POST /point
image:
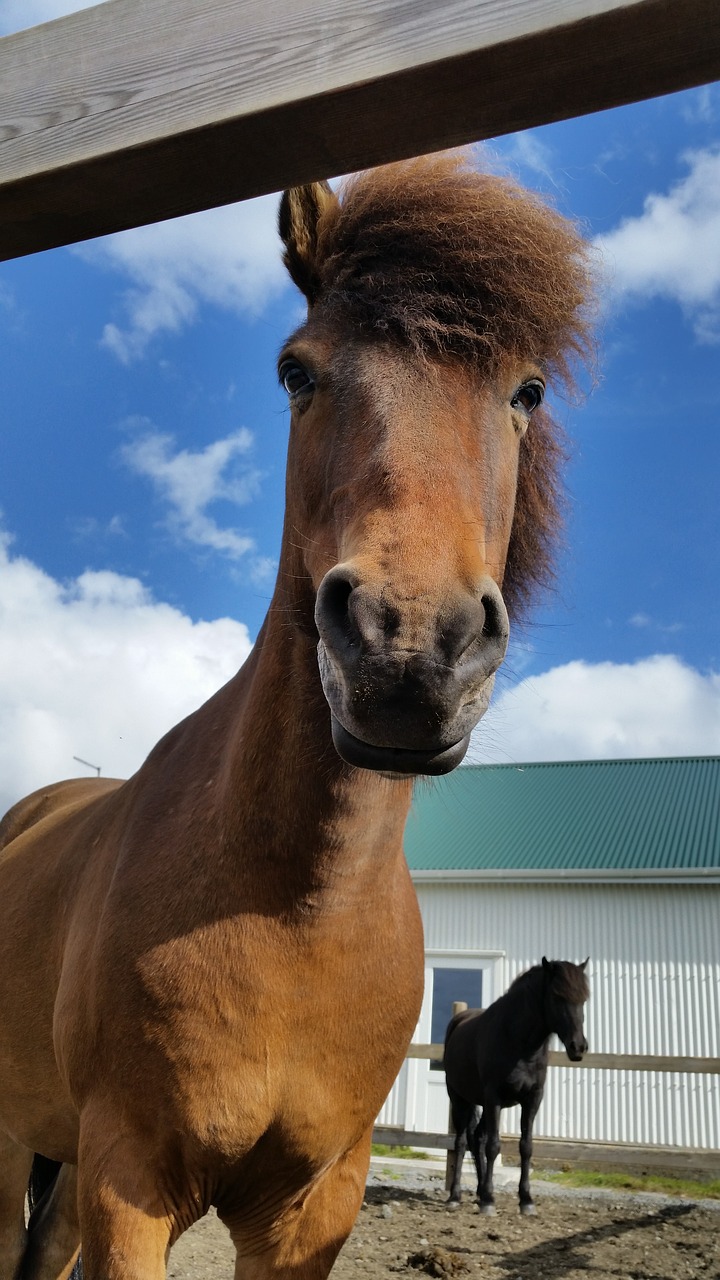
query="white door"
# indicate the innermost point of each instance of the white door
(477, 978)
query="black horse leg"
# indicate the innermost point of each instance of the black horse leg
(491, 1126)
(527, 1117)
(476, 1142)
(462, 1115)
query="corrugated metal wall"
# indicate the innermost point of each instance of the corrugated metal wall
(655, 981)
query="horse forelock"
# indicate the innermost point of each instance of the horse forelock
(571, 983)
(453, 262)
(568, 981)
(457, 265)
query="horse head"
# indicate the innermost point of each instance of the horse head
(418, 508)
(566, 991)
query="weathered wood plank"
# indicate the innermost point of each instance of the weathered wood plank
(617, 1157)
(548, 1152)
(145, 109)
(602, 1061)
(394, 1137)
(638, 1062)
(432, 1051)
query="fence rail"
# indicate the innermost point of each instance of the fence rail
(115, 117)
(559, 1152)
(603, 1061)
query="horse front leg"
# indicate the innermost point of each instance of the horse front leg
(491, 1127)
(124, 1223)
(303, 1242)
(527, 1116)
(123, 1236)
(476, 1142)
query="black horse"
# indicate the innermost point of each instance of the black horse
(497, 1058)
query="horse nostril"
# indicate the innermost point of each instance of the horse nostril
(353, 618)
(475, 630)
(495, 624)
(332, 613)
(358, 619)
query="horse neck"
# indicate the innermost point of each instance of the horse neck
(323, 827)
(526, 1015)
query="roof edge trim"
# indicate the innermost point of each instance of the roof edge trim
(580, 875)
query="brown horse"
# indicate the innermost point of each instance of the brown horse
(209, 974)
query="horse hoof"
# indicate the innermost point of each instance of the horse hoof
(487, 1210)
(527, 1210)
(453, 1204)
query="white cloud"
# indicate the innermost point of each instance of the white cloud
(7, 297)
(189, 482)
(528, 150)
(657, 706)
(89, 529)
(16, 15)
(99, 669)
(699, 106)
(643, 621)
(96, 668)
(229, 257)
(672, 249)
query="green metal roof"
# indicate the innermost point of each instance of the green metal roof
(590, 815)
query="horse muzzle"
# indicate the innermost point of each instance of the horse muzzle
(576, 1049)
(406, 685)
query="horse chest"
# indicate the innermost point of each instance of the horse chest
(287, 1033)
(526, 1077)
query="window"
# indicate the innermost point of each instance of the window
(450, 985)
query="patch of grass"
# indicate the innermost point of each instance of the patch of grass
(399, 1153)
(630, 1182)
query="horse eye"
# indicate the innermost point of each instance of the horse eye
(295, 378)
(529, 396)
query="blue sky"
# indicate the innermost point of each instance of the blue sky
(141, 491)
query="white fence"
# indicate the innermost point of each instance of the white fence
(587, 1153)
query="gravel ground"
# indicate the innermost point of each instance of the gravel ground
(405, 1229)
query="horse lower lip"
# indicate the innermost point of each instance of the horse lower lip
(395, 759)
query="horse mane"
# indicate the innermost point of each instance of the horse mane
(568, 981)
(465, 266)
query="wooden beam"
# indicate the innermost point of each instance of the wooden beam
(393, 1136)
(434, 1052)
(590, 1154)
(602, 1061)
(548, 1153)
(140, 110)
(639, 1062)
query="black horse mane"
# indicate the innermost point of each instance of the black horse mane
(568, 981)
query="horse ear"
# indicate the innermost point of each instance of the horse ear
(301, 209)
(546, 963)
(585, 963)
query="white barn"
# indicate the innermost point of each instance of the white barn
(618, 860)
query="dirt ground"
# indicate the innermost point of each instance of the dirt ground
(405, 1231)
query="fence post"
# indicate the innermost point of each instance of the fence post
(459, 1006)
